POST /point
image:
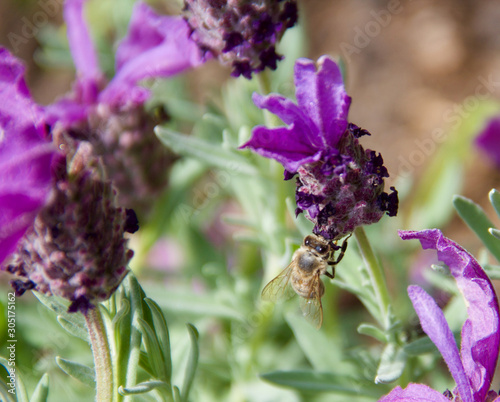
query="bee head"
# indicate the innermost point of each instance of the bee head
(317, 244)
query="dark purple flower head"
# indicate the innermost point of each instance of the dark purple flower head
(58, 210)
(241, 33)
(340, 185)
(489, 140)
(26, 156)
(111, 115)
(473, 367)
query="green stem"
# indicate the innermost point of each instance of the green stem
(102, 358)
(376, 275)
(264, 81)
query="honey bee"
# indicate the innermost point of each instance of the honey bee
(302, 276)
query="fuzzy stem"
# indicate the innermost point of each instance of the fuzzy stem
(102, 358)
(376, 275)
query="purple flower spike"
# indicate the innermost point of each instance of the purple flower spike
(489, 140)
(241, 33)
(340, 185)
(25, 156)
(473, 370)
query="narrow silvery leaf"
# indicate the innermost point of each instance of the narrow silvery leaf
(142, 388)
(81, 372)
(495, 232)
(373, 331)
(192, 364)
(152, 349)
(41, 391)
(495, 200)
(161, 330)
(392, 364)
(313, 381)
(205, 151)
(74, 328)
(477, 220)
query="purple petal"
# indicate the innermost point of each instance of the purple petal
(283, 145)
(84, 55)
(435, 326)
(155, 46)
(414, 393)
(25, 156)
(489, 140)
(322, 96)
(305, 131)
(480, 333)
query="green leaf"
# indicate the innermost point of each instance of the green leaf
(74, 328)
(373, 331)
(22, 395)
(192, 364)
(41, 391)
(177, 394)
(127, 335)
(205, 151)
(493, 271)
(419, 347)
(476, 219)
(161, 331)
(313, 381)
(81, 372)
(142, 388)
(392, 364)
(495, 233)
(494, 196)
(315, 344)
(187, 302)
(152, 349)
(121, 313)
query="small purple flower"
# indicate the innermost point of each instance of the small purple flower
(111, 115)
(26, 156)
(339, 184)
(241, 33)
(472, 368)
(489, 140)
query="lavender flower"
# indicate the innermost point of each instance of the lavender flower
(339, 184)
(489, 140)
(74, 247)
(472, 368)
(26, 156)
(241, 33)
(112, 116)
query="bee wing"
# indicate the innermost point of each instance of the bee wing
(312, 308)
(279, 287)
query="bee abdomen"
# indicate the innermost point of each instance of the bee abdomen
(302, 286)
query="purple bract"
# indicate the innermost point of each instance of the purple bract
(26, 155)
(473, 367)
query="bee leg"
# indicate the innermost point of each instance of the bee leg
(330, 275)
(342, 252)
